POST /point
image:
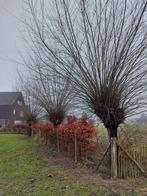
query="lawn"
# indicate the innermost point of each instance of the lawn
(24, 172)
(30, 169)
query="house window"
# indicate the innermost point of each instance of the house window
(17, 122)
(19, 102)
(14, 112)
(4, 122)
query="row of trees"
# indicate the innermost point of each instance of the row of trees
(90, 54)
(91, 51)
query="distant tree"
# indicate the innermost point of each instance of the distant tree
(47, 90)
(101, 46)
(53, 93)
(31, 109)
(31, 112)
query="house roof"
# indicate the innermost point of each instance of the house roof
(8, 98)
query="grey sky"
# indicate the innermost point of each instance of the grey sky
(9, 42)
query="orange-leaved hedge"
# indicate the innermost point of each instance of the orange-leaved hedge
(75, 136)
(20, 128)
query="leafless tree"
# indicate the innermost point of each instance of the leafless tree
(101, 46)
(48, 90)
(31, 108)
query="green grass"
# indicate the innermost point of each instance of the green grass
(131, 127)
(24, 172)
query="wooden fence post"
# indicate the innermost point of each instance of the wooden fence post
(76, 156)
(58, 145)
(45, 137)
(114, 158)
(39, 136)
(32, 133)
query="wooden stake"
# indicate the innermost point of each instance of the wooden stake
(76, 156)
(99, 164)
(58, 146)
(113, 157)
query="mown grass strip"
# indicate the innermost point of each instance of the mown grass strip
(24, 172)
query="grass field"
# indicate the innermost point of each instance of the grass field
(26, 170)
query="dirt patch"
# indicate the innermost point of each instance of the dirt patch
(84, 173)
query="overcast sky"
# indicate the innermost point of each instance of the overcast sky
(10, 42)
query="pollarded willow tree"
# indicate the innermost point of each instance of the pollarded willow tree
(45, 90)
(31, 109)
(49, 91)
(101, 46)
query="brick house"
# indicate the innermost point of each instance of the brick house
(11, 108)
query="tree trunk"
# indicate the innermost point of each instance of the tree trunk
(113, 133)
(29, 131)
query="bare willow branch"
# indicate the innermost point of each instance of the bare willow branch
(100, 46)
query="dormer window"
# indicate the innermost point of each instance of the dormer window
(21, 114)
